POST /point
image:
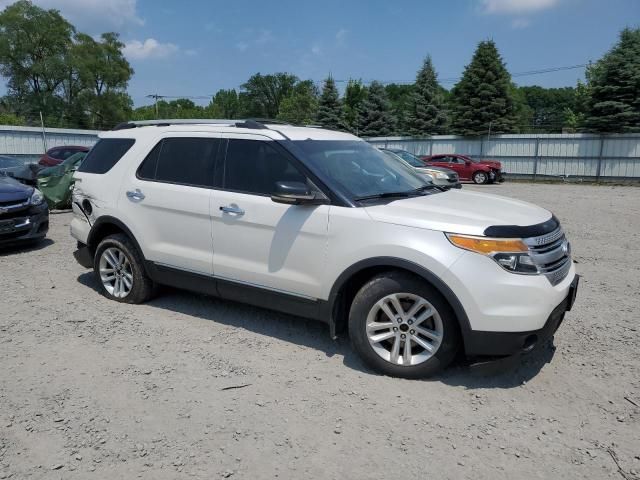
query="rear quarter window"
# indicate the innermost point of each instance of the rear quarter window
(105, 154)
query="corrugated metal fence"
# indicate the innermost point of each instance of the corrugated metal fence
(28, 143)
(577, 155)
(589, 156)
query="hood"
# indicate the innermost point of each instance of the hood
(490, 163)
(12, 190)
(458, 211)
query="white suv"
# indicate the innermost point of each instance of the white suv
(321, 224)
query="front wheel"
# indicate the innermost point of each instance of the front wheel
(480, 178)
(401, 326)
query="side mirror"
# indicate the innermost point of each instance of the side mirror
(296, 193)
(467, 162)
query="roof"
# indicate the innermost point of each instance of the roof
(274, 131)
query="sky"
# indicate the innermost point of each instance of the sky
(195, 47)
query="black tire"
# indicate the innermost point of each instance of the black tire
(143, 288)
(480, 178)
(402, 282)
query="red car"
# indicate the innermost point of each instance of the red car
(479, 171)
(57, 155)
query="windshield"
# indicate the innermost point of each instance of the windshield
(410, 158)
(360, 169)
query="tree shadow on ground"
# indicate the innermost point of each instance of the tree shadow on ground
(504, 373)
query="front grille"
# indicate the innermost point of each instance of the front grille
(13, 203)
(14, 213)
(551, 254)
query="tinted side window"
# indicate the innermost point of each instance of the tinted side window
(105, 154)
(55, 154)
(254, 166)
(147, 171)
(186, 161)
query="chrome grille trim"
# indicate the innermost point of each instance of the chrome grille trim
(550, 253)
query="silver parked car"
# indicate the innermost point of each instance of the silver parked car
(442, 177)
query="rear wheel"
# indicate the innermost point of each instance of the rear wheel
(120, 270)
(401, 326)
(480, 178)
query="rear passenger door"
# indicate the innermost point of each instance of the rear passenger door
(257, 242)
(167, 202)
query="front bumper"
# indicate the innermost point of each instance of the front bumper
(26, 225)
(482, 343)
(83, 256)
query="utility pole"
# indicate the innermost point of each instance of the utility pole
(44, 134)
(155, 96)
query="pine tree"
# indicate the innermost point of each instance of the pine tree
(354, 95)
(427, 114)
(330, 111)
(376, 119)
(483, 96)
(614, 84)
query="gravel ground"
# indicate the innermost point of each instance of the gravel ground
(192, 387)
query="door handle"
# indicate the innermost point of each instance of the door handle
(136, 195)
(232, 209)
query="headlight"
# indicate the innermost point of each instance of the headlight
(438, 174)
(36, 197)
(512, 254)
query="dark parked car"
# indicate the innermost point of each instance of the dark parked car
(24, 215)
(57, 155)
(478, 171)
(9, 162)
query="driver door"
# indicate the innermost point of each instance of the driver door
(257, 242)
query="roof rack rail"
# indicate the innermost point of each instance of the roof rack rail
(257, 123)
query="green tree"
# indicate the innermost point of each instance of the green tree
(263, 94)
(225, 104)
(547, 106)
(427, 115)
(354, 96)
(399, 96)
(376, 118)
(8, 118)
(34, 46)
(330, 111)
(301, 106)
(614, 84)
(482, 99)
(103, 74)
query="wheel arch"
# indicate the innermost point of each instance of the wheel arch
(108, 225)
(351, 280)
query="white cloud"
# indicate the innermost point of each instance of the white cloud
(316, 49)
(150, 48)
(190, 52)
(341, 35)
(516, 7)
(265, 36)
(242, 46)
(94, 16)
(520, 23)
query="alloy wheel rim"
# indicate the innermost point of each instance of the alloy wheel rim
(116, 274)
(404, 329)
(480, 177)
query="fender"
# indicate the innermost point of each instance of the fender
(333, 303)
(106, 220)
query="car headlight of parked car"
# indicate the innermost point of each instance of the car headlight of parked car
(437, 174)
(36, 197)
(512, 254)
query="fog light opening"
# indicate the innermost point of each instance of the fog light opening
(530, 343)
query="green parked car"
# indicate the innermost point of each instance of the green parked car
(56, 182)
